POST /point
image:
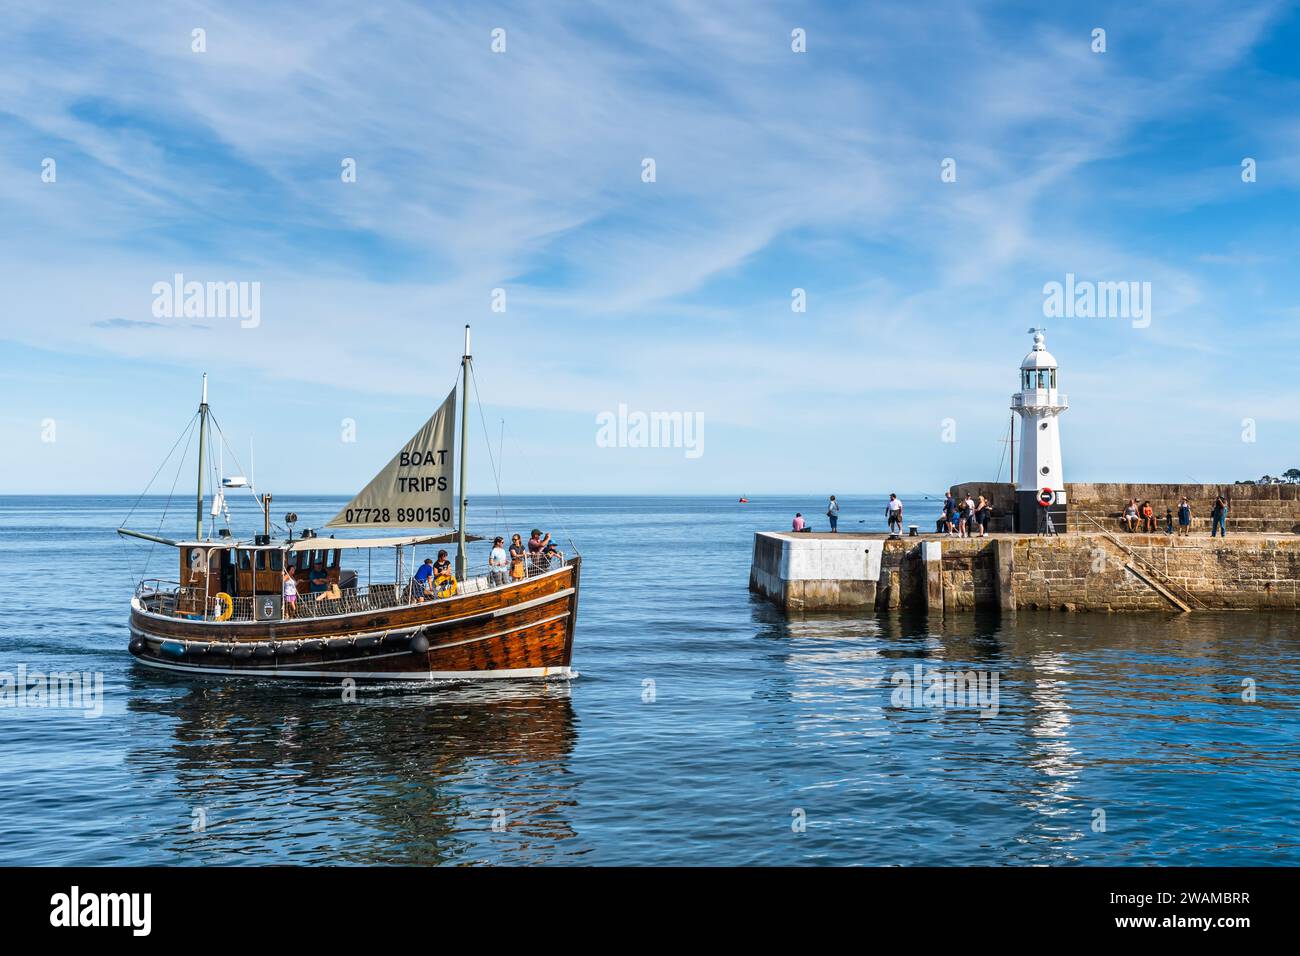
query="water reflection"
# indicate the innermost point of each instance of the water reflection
(410, 775)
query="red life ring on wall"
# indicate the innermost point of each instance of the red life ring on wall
(1046, 497)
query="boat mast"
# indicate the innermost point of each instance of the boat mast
(464, 446)
(203, 430)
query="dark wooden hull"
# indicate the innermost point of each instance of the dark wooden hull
(523, 630)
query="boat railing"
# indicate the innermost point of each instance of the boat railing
(198, 604)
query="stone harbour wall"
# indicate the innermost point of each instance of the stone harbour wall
(1070, 572)
(1256, 509)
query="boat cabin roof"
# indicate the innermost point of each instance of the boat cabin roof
(325, 544)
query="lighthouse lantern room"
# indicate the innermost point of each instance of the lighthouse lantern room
(1040, 485)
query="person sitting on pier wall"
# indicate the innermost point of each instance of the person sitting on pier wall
(1148, 518)
(1130, 518)
(1184, 516)
(798, 524)
(894, 515)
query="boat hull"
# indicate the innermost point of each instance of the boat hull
(523, 630)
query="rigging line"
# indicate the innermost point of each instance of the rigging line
(496, 473)
(554, 511)
(185, 431)
(249, 487)
(170, 494)
(233, 457)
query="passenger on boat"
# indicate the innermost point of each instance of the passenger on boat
(442, 565)
(498, 561)
(517, 554)
(290, 593)
(319, 579)
(420, 583)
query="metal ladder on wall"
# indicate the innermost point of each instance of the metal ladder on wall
(1148, 575)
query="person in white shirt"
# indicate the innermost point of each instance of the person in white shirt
(894, 512)
(498, 561)
(833, 512)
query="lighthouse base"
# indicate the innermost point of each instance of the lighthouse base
(1032, 518)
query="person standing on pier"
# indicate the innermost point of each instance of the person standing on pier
(833, 512)
(1184, 516)
(894, 515)
(1219, 516)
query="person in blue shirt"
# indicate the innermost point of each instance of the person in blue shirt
(1184, 516)
(421, 582)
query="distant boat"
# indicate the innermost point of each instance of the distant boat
(744, 501)
(226, 615)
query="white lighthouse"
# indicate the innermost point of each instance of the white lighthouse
(1039, 477)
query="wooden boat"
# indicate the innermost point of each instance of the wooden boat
(232, 611)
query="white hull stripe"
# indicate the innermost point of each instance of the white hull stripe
(556, 673)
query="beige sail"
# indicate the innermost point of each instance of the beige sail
(415, 489)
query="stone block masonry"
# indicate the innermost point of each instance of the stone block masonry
(1253, 509)
(1070, 572)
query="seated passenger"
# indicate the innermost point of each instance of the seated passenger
(1130, 517)
(420, 583)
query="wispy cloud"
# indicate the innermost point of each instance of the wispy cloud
(522, 171)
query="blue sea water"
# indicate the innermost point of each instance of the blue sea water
(705, 728)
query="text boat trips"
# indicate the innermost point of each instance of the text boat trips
(268, 607)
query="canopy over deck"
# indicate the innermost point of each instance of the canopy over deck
(308, 544)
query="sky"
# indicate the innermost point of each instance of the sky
(920, 172)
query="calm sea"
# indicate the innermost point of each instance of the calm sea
(704, 729)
